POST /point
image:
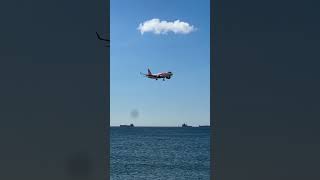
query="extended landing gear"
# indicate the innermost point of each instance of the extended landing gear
(163, 79)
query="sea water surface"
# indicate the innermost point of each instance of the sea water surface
(160, 153)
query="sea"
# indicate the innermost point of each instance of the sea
(152, 153)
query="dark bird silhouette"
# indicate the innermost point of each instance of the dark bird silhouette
(100, 38)
(103, 39)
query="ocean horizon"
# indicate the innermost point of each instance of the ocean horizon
(159, 153)
(114, 126)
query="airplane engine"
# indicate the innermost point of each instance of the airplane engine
(168, 77)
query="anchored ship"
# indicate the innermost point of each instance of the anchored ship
(185, 125)
(131, 125)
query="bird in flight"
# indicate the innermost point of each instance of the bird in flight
(102, 39)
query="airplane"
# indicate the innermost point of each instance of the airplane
(102, 39)
(163, 75)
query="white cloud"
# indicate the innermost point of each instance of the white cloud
(163, 27)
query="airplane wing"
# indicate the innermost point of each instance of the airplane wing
(159, 75)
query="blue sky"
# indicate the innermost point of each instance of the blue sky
(183, 99)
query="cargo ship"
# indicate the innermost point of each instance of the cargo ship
(184, 125)
(131, 125)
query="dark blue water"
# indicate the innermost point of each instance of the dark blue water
(160, 153)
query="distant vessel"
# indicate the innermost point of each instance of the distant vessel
(131, 125)
(205, 126)
(185, 125)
